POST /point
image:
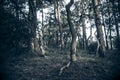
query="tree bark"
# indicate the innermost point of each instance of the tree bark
(84, 34)
(118, 33)
(116, 18)
(33, 22)
(60, 26)
(73, 33)
(106, 36)
(55, 24)
(110, 37)
(17, 9)
(36, 44)
(98, 24)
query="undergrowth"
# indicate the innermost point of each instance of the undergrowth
(87, 67)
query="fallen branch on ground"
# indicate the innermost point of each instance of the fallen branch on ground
(62, 68)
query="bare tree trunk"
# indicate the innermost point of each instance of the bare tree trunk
(84, 34)
(17, 9)
(110, 38)
(60, 26)
(55, 24)
(106, 37)
(100, 38)
(110, 26)
(33, 22)
(90, 36)
(73, 33)
(116, 18)
(35, 44)
(118, 34)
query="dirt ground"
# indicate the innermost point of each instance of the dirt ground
(87, 67)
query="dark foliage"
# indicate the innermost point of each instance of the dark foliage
(92, 48)
(117, 43)
(14, 37)
(14, 33)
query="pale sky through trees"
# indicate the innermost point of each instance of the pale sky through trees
(45, 11)
(67, 1)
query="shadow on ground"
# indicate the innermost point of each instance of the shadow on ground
(87, 67)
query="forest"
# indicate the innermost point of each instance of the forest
(59, 40)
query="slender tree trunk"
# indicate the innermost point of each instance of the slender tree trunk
(116, 18)
(90, 37)
(73, 33)
(60, 26)
(101, 50)
(118, 6)
(33, 16)
(110, 38)
(110, 27)
(41, 38)
(16, 8)
(33, 22)
(17, 17)
(84, 34)
(55, 24)
(48, 41)
(106, 37)
(42, 17)
(118, 34)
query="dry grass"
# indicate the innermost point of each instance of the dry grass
(87, 67)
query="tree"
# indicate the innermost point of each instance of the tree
(103, 11)
(115, 9)
(33, 21)
(84, 32)
(36, 45)
(60, 26)
(73, 33)
(101, 50)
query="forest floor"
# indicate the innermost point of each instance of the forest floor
(87, 67)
